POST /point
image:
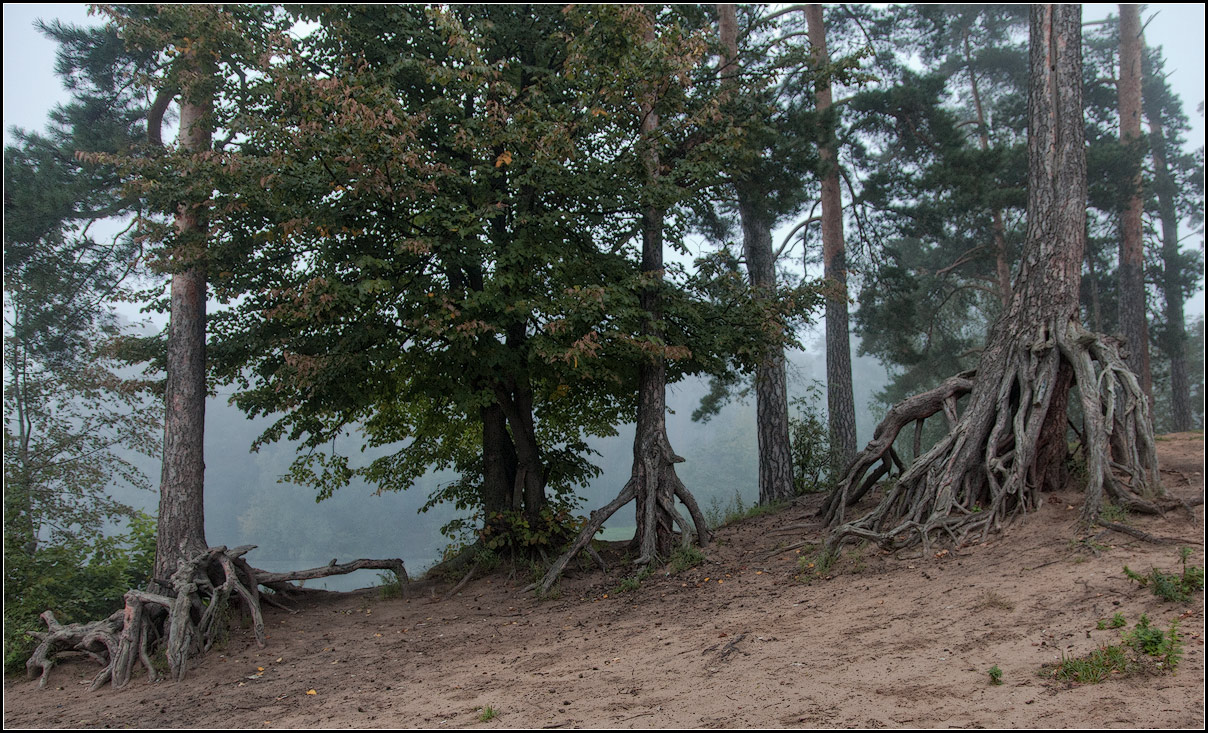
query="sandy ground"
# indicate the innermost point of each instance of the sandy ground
(739, 641)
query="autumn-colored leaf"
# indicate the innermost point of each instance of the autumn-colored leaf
(504, 158)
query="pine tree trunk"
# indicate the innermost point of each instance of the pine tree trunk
(841, 406)
(771, 391)
(1009, 443)
(181, 523)
(1174, 336)
(1133, 323)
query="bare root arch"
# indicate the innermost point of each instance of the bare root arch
(184, 624)
(1000, 452)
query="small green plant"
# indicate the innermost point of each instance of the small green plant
(1115, 622)
(995, 673)
(1114, 513)
(1172, 587)
(390, 585)
(1092, 668)
(817, 565)
(1166, 647)
(1145, 647)
(488, 714)
(810, 443)
(634, 582)
(684, 557)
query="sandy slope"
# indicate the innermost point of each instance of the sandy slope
(739, 641)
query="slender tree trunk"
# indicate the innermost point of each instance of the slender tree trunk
(181, 524)
(653, 476)
(771, 391)
(1002, 259)
(1174, 336)
(1133, 323)
(841, 406)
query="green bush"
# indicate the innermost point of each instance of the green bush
(810, 444)
(81, 579)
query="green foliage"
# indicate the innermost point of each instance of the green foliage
(1166, 647)
(735, 510)
(1113, 513)
(488, 714)
(1093, 668)
(684, 557)
(80, 580)
(810, 436)
(1117, 621)
(390, 585)
(816, 565)
(71, 420)
(1143, 648)
(514, 532)
(1171, 587)
(634, 582)
(995, 675)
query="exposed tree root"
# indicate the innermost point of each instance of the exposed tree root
(181, 625)
(657, 467)
(1000, 452)
(1147, 537)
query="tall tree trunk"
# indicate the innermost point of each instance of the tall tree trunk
(654, 478)
(653, 485)
(1174, 336)
(771, 391)
(1133, 322)
(1009, 443)
(841, 406)
(181, 524)
(1002, 261)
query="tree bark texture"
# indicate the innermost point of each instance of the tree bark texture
(515, 399)
(498, 462)
(771, 391)
(1174, 336)
(181, 523)
(1133, 323)
(841, 406)
(1009, 442)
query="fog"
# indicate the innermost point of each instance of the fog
(247, 504)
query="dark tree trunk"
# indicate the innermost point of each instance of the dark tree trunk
(1174, 335)
(181, 524)
(841, 406)
(1006, 445)
(771, 392)
(529, 482)
(1133, 323)
(498, 463)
